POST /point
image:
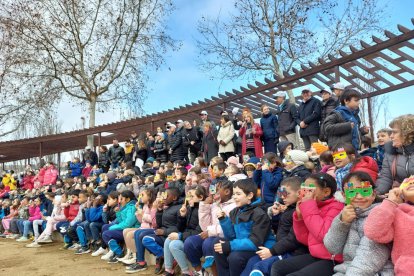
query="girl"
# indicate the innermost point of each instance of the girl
(146, 216)
(326, 162)
(362, 256)
(160, 147)
(188, 225)
(391, 222)
(209, 146)
(7, 219)
(34, 214)
(311, 221)
(16, 224)
(251, 133)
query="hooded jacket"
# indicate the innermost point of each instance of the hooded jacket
(362, 256)
(207, 214)
(269, 124)
(317, 217)
(247, 228)
(391, 222)
(269, 182)
(28, 182)
(76, 169)
(34, 213)
(282, 147)
(368, 165)
(327, 107)
(160, 150)
(125, 218)
(51, 174)
(94, 214)
(189, 224)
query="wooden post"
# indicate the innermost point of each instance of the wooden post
(40, 150)
(337, 74)
(99, 140)
(58, 163)
(370, 120)
(152, 125)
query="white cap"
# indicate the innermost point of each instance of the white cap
(281, 94)
(339, 85)
(306, 88)
(327, 90)
(88, 148)
(179, 121)
(203, 112)
(235, 111)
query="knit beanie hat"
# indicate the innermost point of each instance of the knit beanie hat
(111, 175)
(298, 157)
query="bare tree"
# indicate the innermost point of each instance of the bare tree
(268, 37)
(94, 52)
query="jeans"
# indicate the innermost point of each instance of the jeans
(303, 265)
(256, 264)
(70, 236)
(138, 236)
(27, 226)
(112, 238)
(13, 226)
(20, 227)
(36, 224)
(175, 250)
(81, 232)
(62, 225)
(154, 244)
(94, 232)
(114, 165)
(195, 248)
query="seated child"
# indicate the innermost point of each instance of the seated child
(16, 224)
(286, 244)
(70, 235)
(295, 164)
(362, 256)
(245, 230)
(391, 221)
(197, 246)
(218, 172)
(383, 136)
(179, 183)
(233, 173)
(188, 225)
(34, 214)
(284, 147)
(4, 212)
(311, 221)
(13, 213)
(108, 216)
(326, 162)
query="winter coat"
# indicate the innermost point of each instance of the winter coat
(47, 205)
(41, 175)
(28, 182)
(189, 224)
(91, 157)
(192, 135)
(287, 117)
(86, 172)
(51, 174)
(404, 164)
(23, 212)
(125, 218)
(4, 192)
(269, 182)
(327, 108)
(80, 215)
(110, 215)
(285, 236)
(207, 214)
(226, 134)
(210, 145)
(94, 214)
(317, 217)
(368, 165)
(142, 154)
(310, 113)
(362, 256)
(247, 228)
(71, 211)
(103, 159)
(269, 124)
(329, 169)
(300, 171)
(161, 150)
(256, 139)
(148, 219)
(179, 184)
(175, 143)
(392, 222)
(34, 213)
(9, 181)
(116, 154)
(76, 169)
(167, 218)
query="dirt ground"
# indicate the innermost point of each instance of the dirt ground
(49, 260)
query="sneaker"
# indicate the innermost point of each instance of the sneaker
(168, 274)
(67, 245)
(107, 256)
(82, 250)
(114, 259)
(197, 273)
(33, 245)
(136, 268)
(75, 246)
(159, 265)
(129, 261)
(125, 257)
(22, 239)
(99, 251)
(209, 261)
(15, 236)
(45, 240)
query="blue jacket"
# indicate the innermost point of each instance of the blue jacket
(351, 116)
(94, 214)
(247, 228)
(125, 218)
(269, 182)
(76, 169)
(269, 124)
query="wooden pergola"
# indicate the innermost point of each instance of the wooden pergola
(375, 68)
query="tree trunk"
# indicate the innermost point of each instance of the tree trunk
(91, 110)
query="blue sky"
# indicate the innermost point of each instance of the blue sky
(180, 81)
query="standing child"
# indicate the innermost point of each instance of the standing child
(383, 136)
(311, 221)
(362, 256)
(245, 230)
(392, 221)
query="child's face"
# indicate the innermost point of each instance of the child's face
(224, 194)
(383, 138)
(178, 174)
(75, 198)
(37, 202)
(193, 198)
(145, 197)
(288, 148)
(170, 198)
(112, 201)
(359, 201)
(194, 177)
(155, 164)
(353, 103)
(240, 198)
(341, 159)
(123, 200)
(217, 172)
(188, 180)
(319, 193)
(290, 197)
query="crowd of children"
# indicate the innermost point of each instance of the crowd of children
(286, 213)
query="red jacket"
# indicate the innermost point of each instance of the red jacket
(256, 139)
(28, 182)
(317, 219)
(34, 213)
(5, 191)
(50, 176)
(71, 211)
(86, 171)
(367, 164)
(41, 175)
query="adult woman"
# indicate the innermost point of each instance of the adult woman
(210, 145)
(269, 124)
(142, 154)
(251, 133)
(397, 164)
(160, 147)
(225, 137)
(103, 159)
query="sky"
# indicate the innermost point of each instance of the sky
(181, 82)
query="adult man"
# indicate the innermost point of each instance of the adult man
(204, 118)
(328, 103)
(192, 140)
(309, 116)
(287, 114)
(175, 144)
(338, 88)
(116, 154)
(89, 156)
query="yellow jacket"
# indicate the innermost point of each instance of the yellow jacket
(8, 180)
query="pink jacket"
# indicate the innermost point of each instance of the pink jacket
(391, 222)
(34, 213)
(317, 219)
(147, 218)
(51, 174)
(207, 216)
(41, 176)
(58, 213)
(329, 169)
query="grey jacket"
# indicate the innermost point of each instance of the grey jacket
(362, 256)
(404, 166)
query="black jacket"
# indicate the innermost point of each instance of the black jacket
(142, 154)
(189, 225)
(193, 134)
(167, 218)
(179, 184)
(90, 156)
(103, 159)
(116, 154)
(175, 143)
(288, 115)
(327, 107)
(285, 236)
(310, 114)
(161, 151)
(300, 171)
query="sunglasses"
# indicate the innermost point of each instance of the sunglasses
(365, 190)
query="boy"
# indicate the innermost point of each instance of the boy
(282, 219)
(246, 229)
(70, 234)
(179, 183)
(166, 217)
(343, 124)
(383, 136)
(218, 171)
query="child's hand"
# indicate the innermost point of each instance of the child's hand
(276, 209)
(203, 235)
(221, 214)
(173, 236)
(183, 211)
(218, 247)
(264, 253)
(105, 208)
(309, 195)
(395, 196)
(116, 209)
(208, 200)
(298, 212)
(159, 232)
(348, 214)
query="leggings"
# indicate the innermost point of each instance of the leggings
(303, 265)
